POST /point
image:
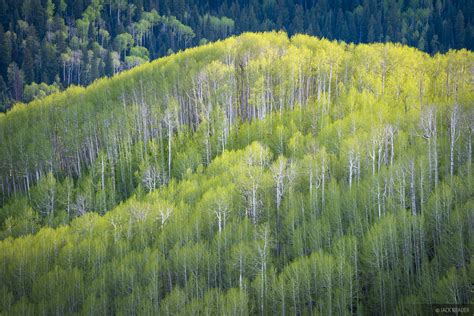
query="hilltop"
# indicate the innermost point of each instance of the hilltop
(49, 45)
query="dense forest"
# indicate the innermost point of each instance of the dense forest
(48, 45)
(261, 174)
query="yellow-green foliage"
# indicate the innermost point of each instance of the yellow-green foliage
(279, 73)
(260, 174)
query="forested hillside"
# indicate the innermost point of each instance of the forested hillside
(48, 45)
(257, 175)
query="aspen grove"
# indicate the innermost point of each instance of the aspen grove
(260, 174)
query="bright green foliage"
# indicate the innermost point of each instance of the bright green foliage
(262, 174)
(37, 91)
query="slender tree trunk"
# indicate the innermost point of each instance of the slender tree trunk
(169, 151)
(412, 187)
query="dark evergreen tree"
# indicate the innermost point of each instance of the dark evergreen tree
(4, 97)
(298, 20)
(460, 32)
(49, 62)
(28, 65)
(15, 81)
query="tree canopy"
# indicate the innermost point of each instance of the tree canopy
(260, 174)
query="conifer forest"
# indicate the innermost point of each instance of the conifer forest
(274, 157)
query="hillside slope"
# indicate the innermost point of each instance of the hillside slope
(260, 174)
(245, 77)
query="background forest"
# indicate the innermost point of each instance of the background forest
(262, 174)
(47, 45)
